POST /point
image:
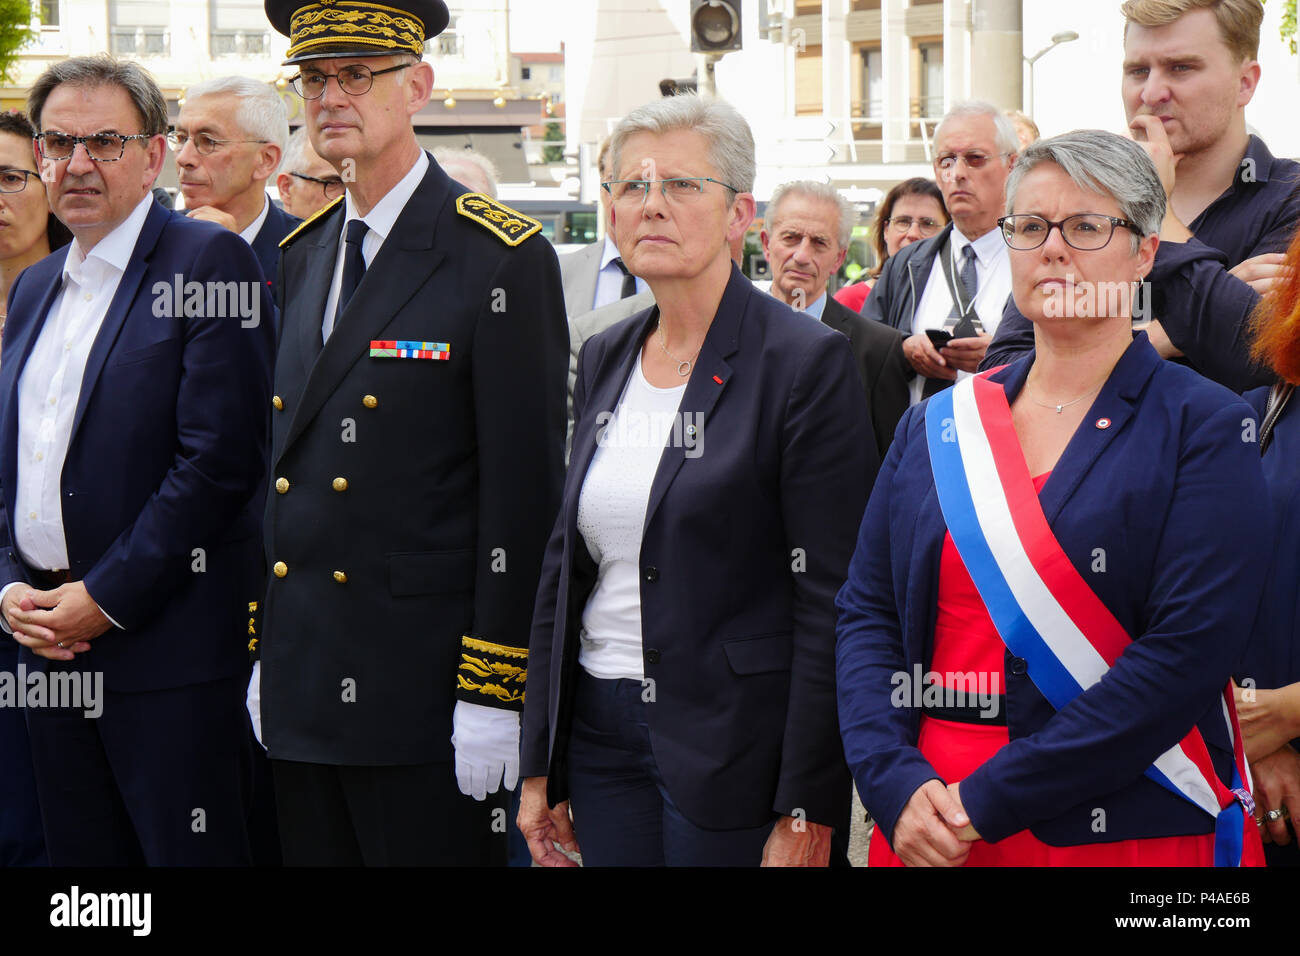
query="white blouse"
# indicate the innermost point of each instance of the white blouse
(611, 519)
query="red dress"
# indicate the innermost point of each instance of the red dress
(965, 640)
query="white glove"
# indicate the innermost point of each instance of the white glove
(487, 748)
(254, 701)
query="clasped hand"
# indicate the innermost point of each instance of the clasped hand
(933, 829)
(42, 620)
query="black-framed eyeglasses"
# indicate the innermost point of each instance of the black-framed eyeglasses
(927, 226)
(353, 80)
(15, 180)
(205, 144)
(329, 187)
(974, 159)
(1086, 231)
(678, 189)
(101, 147)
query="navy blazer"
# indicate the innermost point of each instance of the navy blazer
(266, 244)
(1273, 658)
(164, 481)
(1163, 514)
(744, 546)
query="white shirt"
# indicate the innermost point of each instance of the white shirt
(993, 287)
(609, 280)
(49, 389)
(611, 519)
(380, 221)
(249, 234)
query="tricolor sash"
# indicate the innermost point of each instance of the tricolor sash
(1042, 608)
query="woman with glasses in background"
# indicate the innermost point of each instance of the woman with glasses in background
(912, 210)
(681, 679)
(28, 233)
(1057, 570)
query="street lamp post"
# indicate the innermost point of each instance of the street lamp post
(1065, 36)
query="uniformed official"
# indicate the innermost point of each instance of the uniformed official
(417, 455)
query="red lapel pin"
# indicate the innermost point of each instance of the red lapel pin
(717, 379)
(1103, 423)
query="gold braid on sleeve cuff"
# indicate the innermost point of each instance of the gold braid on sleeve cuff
(491, 674)
(254, 652)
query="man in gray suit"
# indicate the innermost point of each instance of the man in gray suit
(595, 276)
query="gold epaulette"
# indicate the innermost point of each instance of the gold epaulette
(309, 220)
(506, 224)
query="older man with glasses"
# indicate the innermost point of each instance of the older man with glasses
(228, 140)
(947, 293)
(306, 182)
(418, 448)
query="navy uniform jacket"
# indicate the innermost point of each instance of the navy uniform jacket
(1204, 311)
(1173, 494)
(737, 624)
(168, 455)
(411, 497)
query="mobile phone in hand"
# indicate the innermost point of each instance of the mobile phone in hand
(938, 337)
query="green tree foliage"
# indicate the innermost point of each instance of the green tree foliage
(1287, 29)
(15, 33)
(553, 154)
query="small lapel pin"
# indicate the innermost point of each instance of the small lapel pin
(718, 379)
(1103, 423)
(690, 430)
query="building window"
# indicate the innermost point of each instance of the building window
(873, 86)
(447, 43)
(525, 73)
(238, 28)
(49, 12)
(931, 79)
(139, 28)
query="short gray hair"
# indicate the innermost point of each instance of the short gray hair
(261, 113)
(448, 154)
(1105, 163)
(731, 143)
(294, 156)
(103, 70)
(1004, 136)
(847, 213)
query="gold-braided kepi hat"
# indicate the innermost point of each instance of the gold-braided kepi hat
(332, 28)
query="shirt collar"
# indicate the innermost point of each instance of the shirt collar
(254, 227)
(987, 247)
(114, 250)
(609, 253)
(817, 306)
(383, 216)
(1256, 162)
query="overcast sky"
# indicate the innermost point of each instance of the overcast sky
(535, 27)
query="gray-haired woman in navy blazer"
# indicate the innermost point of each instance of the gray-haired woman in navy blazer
(1097, 585)
(681, 681)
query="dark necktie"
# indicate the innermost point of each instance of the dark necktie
(354, 266)
(629, 280)
(970, 285)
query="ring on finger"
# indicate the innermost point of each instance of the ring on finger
(1272, 815)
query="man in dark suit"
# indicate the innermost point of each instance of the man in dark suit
(808, 228)
(417, 457)
(133, 455)
(228, 140)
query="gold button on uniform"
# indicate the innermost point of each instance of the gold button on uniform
(278, 402)
(282, 485)
(340, 577)
(370, 401)
(280, 569)
(340, 484)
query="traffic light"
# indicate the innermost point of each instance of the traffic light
(715, 26)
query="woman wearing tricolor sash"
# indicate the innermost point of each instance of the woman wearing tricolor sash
(1058, 569)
